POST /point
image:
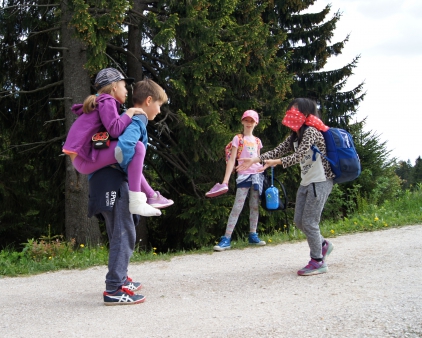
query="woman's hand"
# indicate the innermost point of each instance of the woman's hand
(269, 163)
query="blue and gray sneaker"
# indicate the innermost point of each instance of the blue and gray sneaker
(254, 239)
(223, 245)
(122, 296)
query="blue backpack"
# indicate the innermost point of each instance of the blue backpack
(341, 153)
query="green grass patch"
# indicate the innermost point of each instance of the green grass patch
(52, 253)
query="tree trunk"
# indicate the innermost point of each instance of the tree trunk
(76, 89)
(134, 69)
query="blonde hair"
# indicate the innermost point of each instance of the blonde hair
(147, 87)
(90, 102)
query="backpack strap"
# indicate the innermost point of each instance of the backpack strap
(240, 148)
(315, 149)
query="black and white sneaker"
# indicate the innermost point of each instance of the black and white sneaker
(122, 296)
(131, 285)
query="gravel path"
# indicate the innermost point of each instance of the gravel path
(373, 289)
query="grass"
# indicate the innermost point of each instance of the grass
(52, 253)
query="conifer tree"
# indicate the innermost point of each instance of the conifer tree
(309, 47)
(417, 173)
(309, 44)
(31, 170)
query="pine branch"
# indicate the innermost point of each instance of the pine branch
(46, 122)
(29, 6)
(35, 144)
(123, 51)
(32, 34)
(35, 90)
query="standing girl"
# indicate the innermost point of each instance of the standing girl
(101, 113)
(248, 180)
(302, 118)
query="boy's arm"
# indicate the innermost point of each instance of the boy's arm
(125, 149)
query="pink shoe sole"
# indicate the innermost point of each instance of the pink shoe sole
(216, 193)
(161, 206)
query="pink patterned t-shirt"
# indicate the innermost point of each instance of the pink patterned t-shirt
(250, 150)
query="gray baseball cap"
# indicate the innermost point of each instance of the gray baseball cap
(107, 76)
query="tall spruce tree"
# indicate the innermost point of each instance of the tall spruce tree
(309, 47)
(31, 170)
(309, 44)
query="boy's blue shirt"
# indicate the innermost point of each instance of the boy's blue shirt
(136, 131)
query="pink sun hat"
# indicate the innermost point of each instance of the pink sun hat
(251, 113)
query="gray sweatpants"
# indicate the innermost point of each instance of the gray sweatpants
(122, 236)
(310, 201)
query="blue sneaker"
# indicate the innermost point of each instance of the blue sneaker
(254, 239)
(122, 296)
(223, 245)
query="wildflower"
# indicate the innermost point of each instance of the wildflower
(154, 253)
(154, 249)
(49, 257)
(385, 224)
(82, 246)
(376, 219)
(370, 224)
(285, 225)
(270, 240)
(332, 231)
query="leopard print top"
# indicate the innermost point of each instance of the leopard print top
(310, 136)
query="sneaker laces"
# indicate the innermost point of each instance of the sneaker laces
(126, 290)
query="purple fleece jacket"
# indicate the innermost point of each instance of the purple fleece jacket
(104, 118)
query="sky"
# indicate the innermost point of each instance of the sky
(387, 34)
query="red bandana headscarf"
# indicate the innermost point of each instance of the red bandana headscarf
(294, 120)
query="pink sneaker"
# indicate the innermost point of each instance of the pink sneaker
(159, 201)
(217, 190)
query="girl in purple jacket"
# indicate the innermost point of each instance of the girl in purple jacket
(100, 112)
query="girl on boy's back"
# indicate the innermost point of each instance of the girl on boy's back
(101, 113)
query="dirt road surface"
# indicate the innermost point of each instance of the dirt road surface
(373, 289)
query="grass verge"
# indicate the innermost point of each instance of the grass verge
(52, 254)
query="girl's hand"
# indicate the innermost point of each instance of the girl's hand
(246, 163)
(269, 163)
(135, 111)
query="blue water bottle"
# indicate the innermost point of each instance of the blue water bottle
(271, 194)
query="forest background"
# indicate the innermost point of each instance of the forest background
(215, 59)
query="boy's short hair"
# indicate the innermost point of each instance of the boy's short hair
(147, 87)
